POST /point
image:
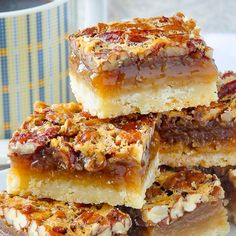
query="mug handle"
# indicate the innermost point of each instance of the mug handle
(95, 11)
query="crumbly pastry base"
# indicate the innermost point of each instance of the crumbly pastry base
(70, 190)
(191, 158)
(204, 160)
(207, 220)
(146, 101)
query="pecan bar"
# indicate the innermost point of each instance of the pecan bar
(183, 202)
(201, 136)
(143, 65)
(45, 217)
(64, 153)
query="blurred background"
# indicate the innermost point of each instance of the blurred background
(211, 15)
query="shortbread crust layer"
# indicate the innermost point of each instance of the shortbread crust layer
(142, 99)
(178, 155)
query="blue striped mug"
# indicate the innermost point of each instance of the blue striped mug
(33, 57)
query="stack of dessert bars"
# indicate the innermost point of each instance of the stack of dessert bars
(148, 149)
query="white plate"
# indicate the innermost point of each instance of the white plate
(3, 151)
(3, 178)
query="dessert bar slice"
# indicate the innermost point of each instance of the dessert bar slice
(45, 217)
(180, 203)
(143, 65)
(201, 136)
(64, 153)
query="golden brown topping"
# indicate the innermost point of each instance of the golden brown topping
(153, 192)
(86, 136)
(131, 137)
(74, 140)
(227, 74)
(141, 27)
(217, 190)
(85, 114)
(95, 163)
(90, 217)
(29, 141)
(60, 214)
(109, 46)
(28, 209)
(184, 179)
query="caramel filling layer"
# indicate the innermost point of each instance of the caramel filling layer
(172, 71)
